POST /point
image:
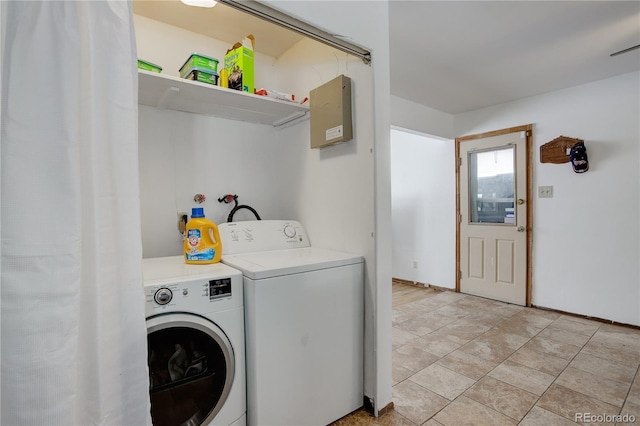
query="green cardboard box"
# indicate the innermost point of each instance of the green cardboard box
(148, 66)
(238, 66)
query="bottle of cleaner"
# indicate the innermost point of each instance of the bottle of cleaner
(202, 240)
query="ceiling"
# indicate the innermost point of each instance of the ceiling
(458, 56)
(220, 22)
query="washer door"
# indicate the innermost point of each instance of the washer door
(191, 369)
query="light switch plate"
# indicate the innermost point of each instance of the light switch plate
(545, 192)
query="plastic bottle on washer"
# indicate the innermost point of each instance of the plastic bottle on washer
(202, 240)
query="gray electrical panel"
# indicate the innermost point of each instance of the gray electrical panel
(330, 106)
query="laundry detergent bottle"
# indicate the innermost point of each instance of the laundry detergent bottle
(202, 240)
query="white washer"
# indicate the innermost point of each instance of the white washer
(304, 318)
(195, 336)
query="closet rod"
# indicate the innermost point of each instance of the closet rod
(274, 16)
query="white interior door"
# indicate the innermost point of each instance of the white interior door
(493, 217)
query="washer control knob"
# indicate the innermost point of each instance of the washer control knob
(163, 296)
(289, 231)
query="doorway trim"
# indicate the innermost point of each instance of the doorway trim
(528, 128)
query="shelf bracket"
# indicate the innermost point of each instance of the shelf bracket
(167, 97)
(290, 118)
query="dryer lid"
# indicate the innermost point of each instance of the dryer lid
(268, 264)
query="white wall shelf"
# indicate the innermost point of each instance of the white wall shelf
(178, 94)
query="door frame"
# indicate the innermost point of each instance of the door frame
(528, 128)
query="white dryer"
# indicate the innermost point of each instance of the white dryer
(195, 335)
(304, 318)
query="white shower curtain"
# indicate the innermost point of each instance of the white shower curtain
(73, 340)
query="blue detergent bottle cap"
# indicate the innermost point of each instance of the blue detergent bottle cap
(197, 212)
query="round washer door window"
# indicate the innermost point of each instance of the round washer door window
(191, 369)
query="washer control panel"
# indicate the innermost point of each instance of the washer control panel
(199, 295)
(262, 235)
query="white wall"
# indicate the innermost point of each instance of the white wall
(367, 23)
(185, 154)
(410, 115)
(423, 202)
(586, 239)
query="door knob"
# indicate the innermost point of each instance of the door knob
(520, 229)
(520, 201)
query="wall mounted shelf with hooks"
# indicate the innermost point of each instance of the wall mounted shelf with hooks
(557, 150)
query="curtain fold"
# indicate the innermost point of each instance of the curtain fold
(72, 305)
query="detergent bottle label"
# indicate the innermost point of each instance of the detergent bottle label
(197, 248)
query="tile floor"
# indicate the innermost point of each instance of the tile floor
(465, 360)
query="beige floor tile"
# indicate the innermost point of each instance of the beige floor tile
(506, 310)
(453, 311)
(616, 353)
(438, 320)
(523, 377)
(412, 357)
(539, 361)
(551, 347)
(520, 327)
(502, 397)
(435, 345)
(429, 305)
(576, 325)
(475, 304)
(398, 316)
(604, 368)
(432, 422)
(552, 315)
(450, 297)
(499, 336)
(468, 365)
(630, 331)
(442, 381)
(609, 391)
(415, 402)
(418, 325)
(634, 392)
(629, 409)
(400, 337)
(488, 350)
(533, 318)
(467, 412)
(488, 318)
(569, 403)
(619, 337)
(541, 417)
(563, 336)
(398, 374)
(420, 307)
(461, 331)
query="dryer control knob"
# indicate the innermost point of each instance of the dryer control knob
(163, 296)
(289, 231)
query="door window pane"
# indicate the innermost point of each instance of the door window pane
(492, 186)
